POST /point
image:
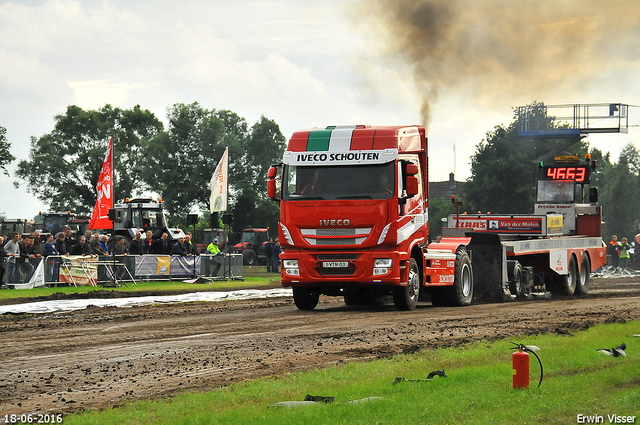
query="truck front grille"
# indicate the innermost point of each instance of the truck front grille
(336, 272)
(337, 257)
(346, 236)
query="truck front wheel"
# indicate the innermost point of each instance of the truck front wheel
(305, 298)
(406, 297)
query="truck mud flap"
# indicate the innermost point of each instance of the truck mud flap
(489, 260)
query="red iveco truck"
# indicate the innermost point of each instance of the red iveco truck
(354, 223)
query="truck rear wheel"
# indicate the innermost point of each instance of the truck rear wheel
(516, 286)
(462, 290)
(305, 298)
(582, 286)
(566, 285)
(406, 297)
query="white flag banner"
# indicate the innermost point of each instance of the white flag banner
(218, 198)
(36, 280)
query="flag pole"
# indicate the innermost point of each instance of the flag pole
(113, 188)
(113, 206)
(113, 175)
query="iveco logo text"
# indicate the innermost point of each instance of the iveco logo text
(344, 222)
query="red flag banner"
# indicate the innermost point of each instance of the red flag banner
(100, 217)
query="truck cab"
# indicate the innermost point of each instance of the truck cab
(562, 189)
(353, 213)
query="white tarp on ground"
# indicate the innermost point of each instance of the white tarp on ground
(70, 305)
(609, 272)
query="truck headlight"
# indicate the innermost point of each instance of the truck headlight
(382, 266)
(290, 267)
(290, 264)
(382, 262)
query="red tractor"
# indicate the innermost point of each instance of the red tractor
(252, 246)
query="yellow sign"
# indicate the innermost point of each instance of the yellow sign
(567, 158)
(164, 264)
(554, 224)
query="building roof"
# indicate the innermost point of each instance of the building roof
(446, 189)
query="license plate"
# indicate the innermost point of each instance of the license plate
(335, 264)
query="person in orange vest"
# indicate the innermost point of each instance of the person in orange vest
(613, 251)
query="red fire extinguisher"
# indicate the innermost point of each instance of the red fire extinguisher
(521, 365)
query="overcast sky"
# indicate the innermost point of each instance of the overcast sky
(307, 64)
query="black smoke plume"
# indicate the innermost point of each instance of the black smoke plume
(506, 49)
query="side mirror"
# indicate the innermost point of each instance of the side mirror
(412, 169)
(271, 182)
(593, 195)
(271, 189)
(411, 186)
(411, 180)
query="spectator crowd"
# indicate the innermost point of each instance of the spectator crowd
(17, 250)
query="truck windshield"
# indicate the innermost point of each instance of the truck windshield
(249, 237)
(54, 224)
(558, 191)
(254, 237)
(148, 217)
(339, 182)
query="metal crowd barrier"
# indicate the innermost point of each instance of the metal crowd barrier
(104, 270)
(19, 270)
(159, 267)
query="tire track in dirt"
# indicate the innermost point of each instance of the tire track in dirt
(101, 357)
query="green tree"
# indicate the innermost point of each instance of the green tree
(603, 162)
(503, 168)
(64, 166)
(186, 154)
(183, 157)
(5, 156)
(620, 193)
(502, 174)
(264, 147)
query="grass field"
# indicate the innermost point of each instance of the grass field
(578, 380)
(255, 277)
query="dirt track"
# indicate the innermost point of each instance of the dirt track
(100, 357)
